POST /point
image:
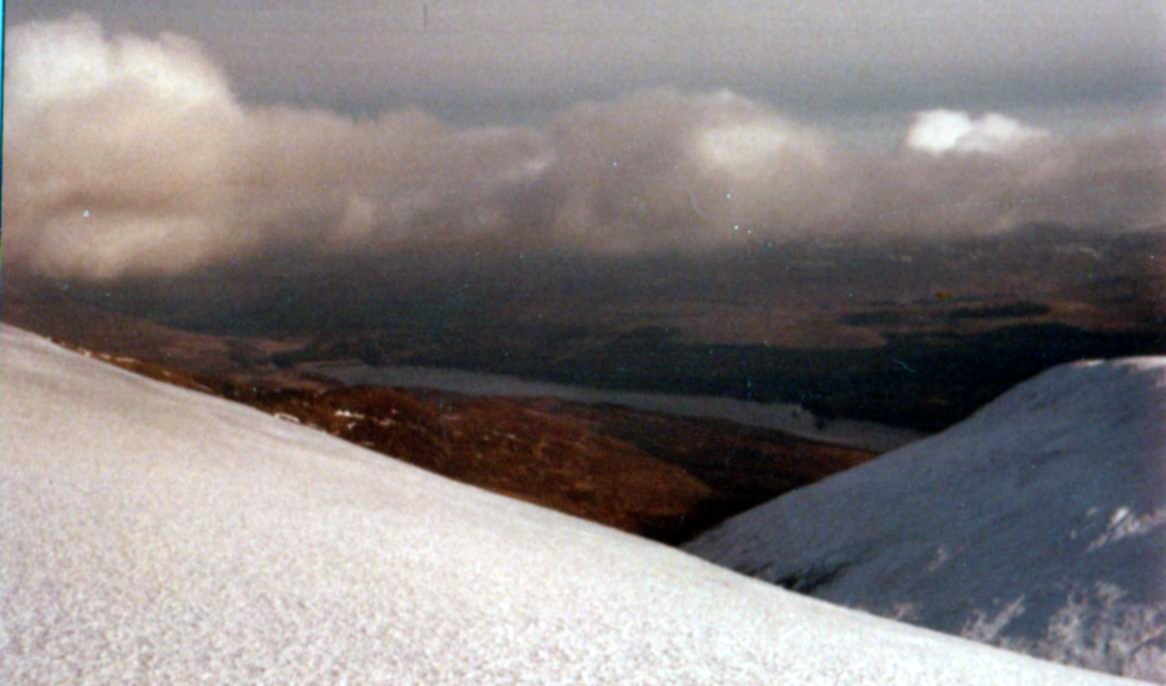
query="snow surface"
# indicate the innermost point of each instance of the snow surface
(1038, 524)
(155, 535)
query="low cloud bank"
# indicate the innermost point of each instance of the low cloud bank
(127, 156)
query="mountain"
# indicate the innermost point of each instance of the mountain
(153, 534)
(1038, 524)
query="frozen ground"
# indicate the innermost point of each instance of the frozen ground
(154, 535)
(1038, 524)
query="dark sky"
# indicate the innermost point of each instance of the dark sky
(861, 66)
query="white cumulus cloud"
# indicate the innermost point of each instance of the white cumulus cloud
(940, 131)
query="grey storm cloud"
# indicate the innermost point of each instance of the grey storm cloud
(133, 156)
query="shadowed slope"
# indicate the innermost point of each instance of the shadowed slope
(1038, 524)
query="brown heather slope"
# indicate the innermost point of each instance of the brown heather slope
(57, 316)
(663, 477)
(660, 476)
(745, 465)
(666, 478)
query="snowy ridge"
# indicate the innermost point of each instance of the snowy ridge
(155, 535)
(1038, 524)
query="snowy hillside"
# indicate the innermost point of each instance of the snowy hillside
(155, 535)
(1038, 524)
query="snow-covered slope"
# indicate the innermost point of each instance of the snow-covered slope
(155, 535)
(1038, 524)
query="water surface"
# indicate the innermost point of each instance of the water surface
(782, 416)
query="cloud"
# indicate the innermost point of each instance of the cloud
(669, 170)
(120, 154)
(941, 131)
(132, 157)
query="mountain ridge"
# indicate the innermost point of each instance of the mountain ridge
(1038, 524)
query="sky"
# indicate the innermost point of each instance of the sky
(156, 138)
(855, 67)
